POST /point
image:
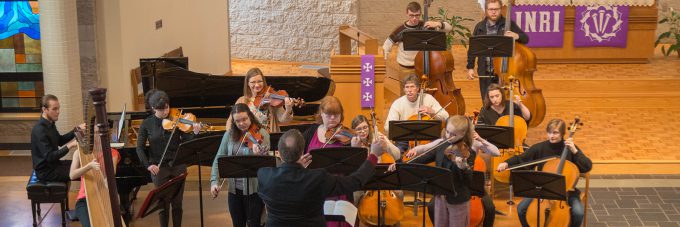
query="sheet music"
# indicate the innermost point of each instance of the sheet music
(341, 207)
(121, 121)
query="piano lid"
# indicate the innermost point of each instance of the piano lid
(189, 89)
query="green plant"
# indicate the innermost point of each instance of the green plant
(673, 19)
(459, 32)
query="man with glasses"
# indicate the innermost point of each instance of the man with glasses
(493, 24)
(414, 22)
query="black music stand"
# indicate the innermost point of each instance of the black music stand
(502, 137)
(338, 160)
(382, 180)
(539, 185)
(491, 46)
(425, 179)
(161, 196)
(415, 130)
(199, 152)
(410, 130)
(477, 184)
(424, 40)
(274, 138)
(243, 166)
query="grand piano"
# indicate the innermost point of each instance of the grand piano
(205, 95)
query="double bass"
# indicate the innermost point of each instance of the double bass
(558, 213)
(438, 67)
(521, 66)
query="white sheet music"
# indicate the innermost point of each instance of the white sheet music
(341, 207)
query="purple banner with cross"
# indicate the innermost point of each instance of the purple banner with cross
(601, 26)
(543, 24)
(367, 81)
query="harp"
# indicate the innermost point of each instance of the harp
(93, 143)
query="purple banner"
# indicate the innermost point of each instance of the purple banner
(597, 26)
(367, 81)
(543, 24)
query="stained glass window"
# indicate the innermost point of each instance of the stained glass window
(21, 83)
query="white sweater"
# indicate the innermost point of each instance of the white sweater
(402, 109)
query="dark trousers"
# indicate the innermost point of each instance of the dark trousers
(164, 175)
(58, 173)
(81, 212)
(574, 201)
(489, 210)
(245, 209)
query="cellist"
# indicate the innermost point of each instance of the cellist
(493, 24)
(407, 105)
(496, 106)
(556, 130)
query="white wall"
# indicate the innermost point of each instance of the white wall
(126, 32)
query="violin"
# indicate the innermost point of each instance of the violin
(252, 136)
(271, 97)
(341, 133)
(184, 122)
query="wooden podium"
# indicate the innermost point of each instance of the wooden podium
(345, 71)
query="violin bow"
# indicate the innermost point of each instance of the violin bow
(174, 128)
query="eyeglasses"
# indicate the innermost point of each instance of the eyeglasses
(493, 9)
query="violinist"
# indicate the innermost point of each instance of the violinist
(407, 105)
(254, 88)
(245, 137)
(329, 132)
(496, 106)
(555, 144)
(484, 148)
(454, 153)
(493, 24)
(406, 58)
(163, 146)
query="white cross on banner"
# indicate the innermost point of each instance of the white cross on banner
(367, 81)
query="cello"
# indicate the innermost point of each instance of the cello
(390, 207)
(438, 67)
(558, 213)
(522, 66)
(520, 131)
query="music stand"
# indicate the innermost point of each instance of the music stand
(199, 152)
(502, 137)
(415, 130)
(410, 130)
(338, 160)
(159, 197)
(477, 184)
(382, 180)
(425, 179)
(491, 46)
(243, 166)
(424, 40)
(539, 185)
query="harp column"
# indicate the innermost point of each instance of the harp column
(61, 59)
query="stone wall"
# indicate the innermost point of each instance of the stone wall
(288, 30)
